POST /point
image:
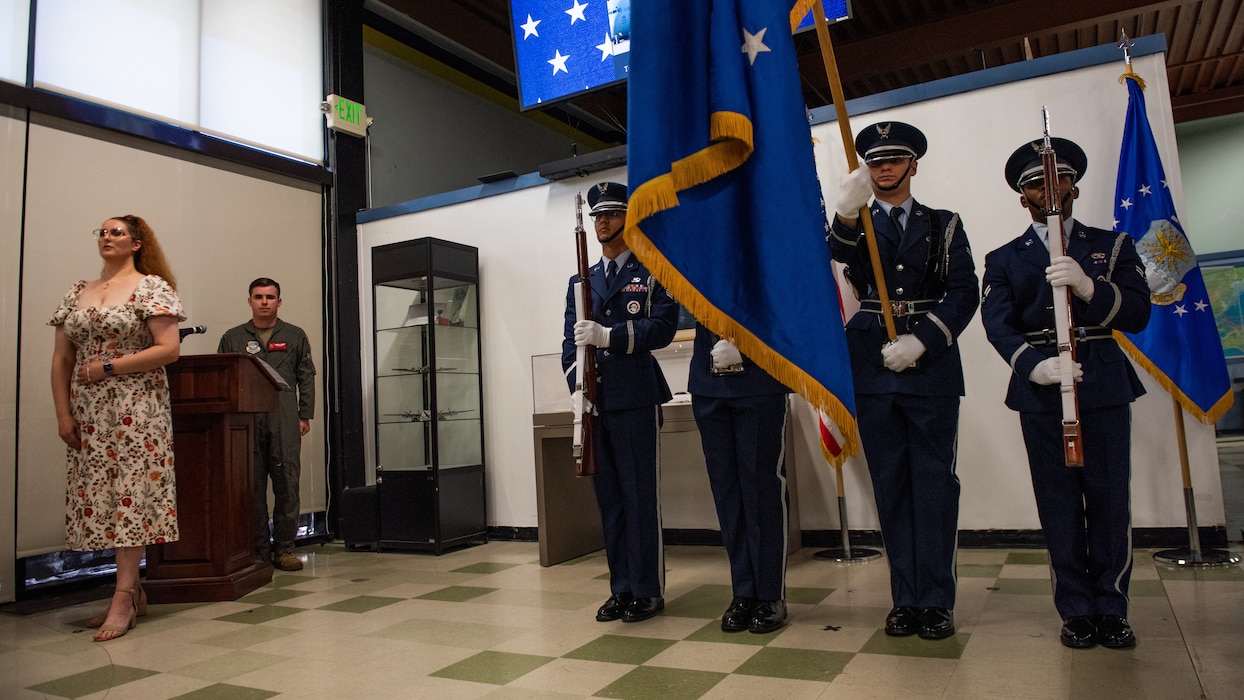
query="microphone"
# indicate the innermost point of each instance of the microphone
(183, 332)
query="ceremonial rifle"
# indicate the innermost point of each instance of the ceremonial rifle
(1073, 442)
(585, 357)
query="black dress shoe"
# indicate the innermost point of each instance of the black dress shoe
(643, 608)
(936, 623)
(739, 615)
(767, 616)
(614, 607)
(902, 621)
(1079, 632)
(1114, 632)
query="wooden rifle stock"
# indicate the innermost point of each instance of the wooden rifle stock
(1073, 442)
(585, 358)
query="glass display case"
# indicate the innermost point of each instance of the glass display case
(429, 426)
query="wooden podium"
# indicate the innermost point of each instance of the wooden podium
(213, 397)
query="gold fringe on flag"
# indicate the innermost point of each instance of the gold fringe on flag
(1211, 416)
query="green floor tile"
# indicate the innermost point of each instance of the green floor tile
(283, 580)
(360, 604)
(484, 567)
(493, 667)
(1036, 556)
(796, 664)
(1023, 586)
(620, 650)
(882, 643)
(269, 596)
(706, 602)
(224, 691)
(648, 682)
(712, 633)
(456, 594)
(1147, 588)
(93, 681)
(979, 570)
(807, 596)
(261, 614)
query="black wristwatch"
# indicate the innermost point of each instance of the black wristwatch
(108, 368)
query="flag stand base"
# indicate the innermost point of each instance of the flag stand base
(846, 553)
(1204, 558)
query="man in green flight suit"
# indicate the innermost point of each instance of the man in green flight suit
(278, 436)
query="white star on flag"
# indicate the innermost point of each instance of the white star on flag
(529, 29)
(753, 44)
(606, 49)
(576, 12)
(558, 62)
(1126, 204)
(1145, 190)
(1181, 310)
(1201, 306)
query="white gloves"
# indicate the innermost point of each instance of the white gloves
(854, 192)
(1050, 371)
(1065, 272)
(579, 403)
(726, 355)
(588, 332)
(902, 352)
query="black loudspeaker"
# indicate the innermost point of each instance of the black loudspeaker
(360, 524)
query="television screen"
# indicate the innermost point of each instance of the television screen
(566, 47)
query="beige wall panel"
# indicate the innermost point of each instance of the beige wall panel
(12, 150)
(220, 229)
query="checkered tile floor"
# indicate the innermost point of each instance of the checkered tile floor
(489, 622)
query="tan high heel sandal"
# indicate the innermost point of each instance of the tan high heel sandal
(138, 600)
(140, 607)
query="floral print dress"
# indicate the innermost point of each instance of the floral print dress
(121, 490)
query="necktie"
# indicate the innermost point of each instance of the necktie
(610, 272)
(896, 214)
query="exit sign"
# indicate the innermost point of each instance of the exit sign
(345, 115)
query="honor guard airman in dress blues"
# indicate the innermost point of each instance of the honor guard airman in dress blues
(1085, 511)
(741, 412)
(632, 315)
(907, 391)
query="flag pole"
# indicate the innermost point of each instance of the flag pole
(845, 552)
(1192, 555)
(848, 144)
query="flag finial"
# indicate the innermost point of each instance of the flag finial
(1126, 43)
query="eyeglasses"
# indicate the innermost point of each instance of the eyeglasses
(110, 232)
(612, 214)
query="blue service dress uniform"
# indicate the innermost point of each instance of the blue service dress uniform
(742, 421)
(909, 420)
(642, 317)
(1085, 512)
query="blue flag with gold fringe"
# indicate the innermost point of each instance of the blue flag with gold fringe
(1180, 347)
(725, 206)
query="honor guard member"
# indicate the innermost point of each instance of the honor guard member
(1085, 512)
(278, 436)
(907, 391)
(741, 412)
(632, 315)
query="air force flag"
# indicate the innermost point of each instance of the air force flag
(725, 207)
(1180, 347)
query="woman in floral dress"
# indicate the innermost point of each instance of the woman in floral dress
(114, 335)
